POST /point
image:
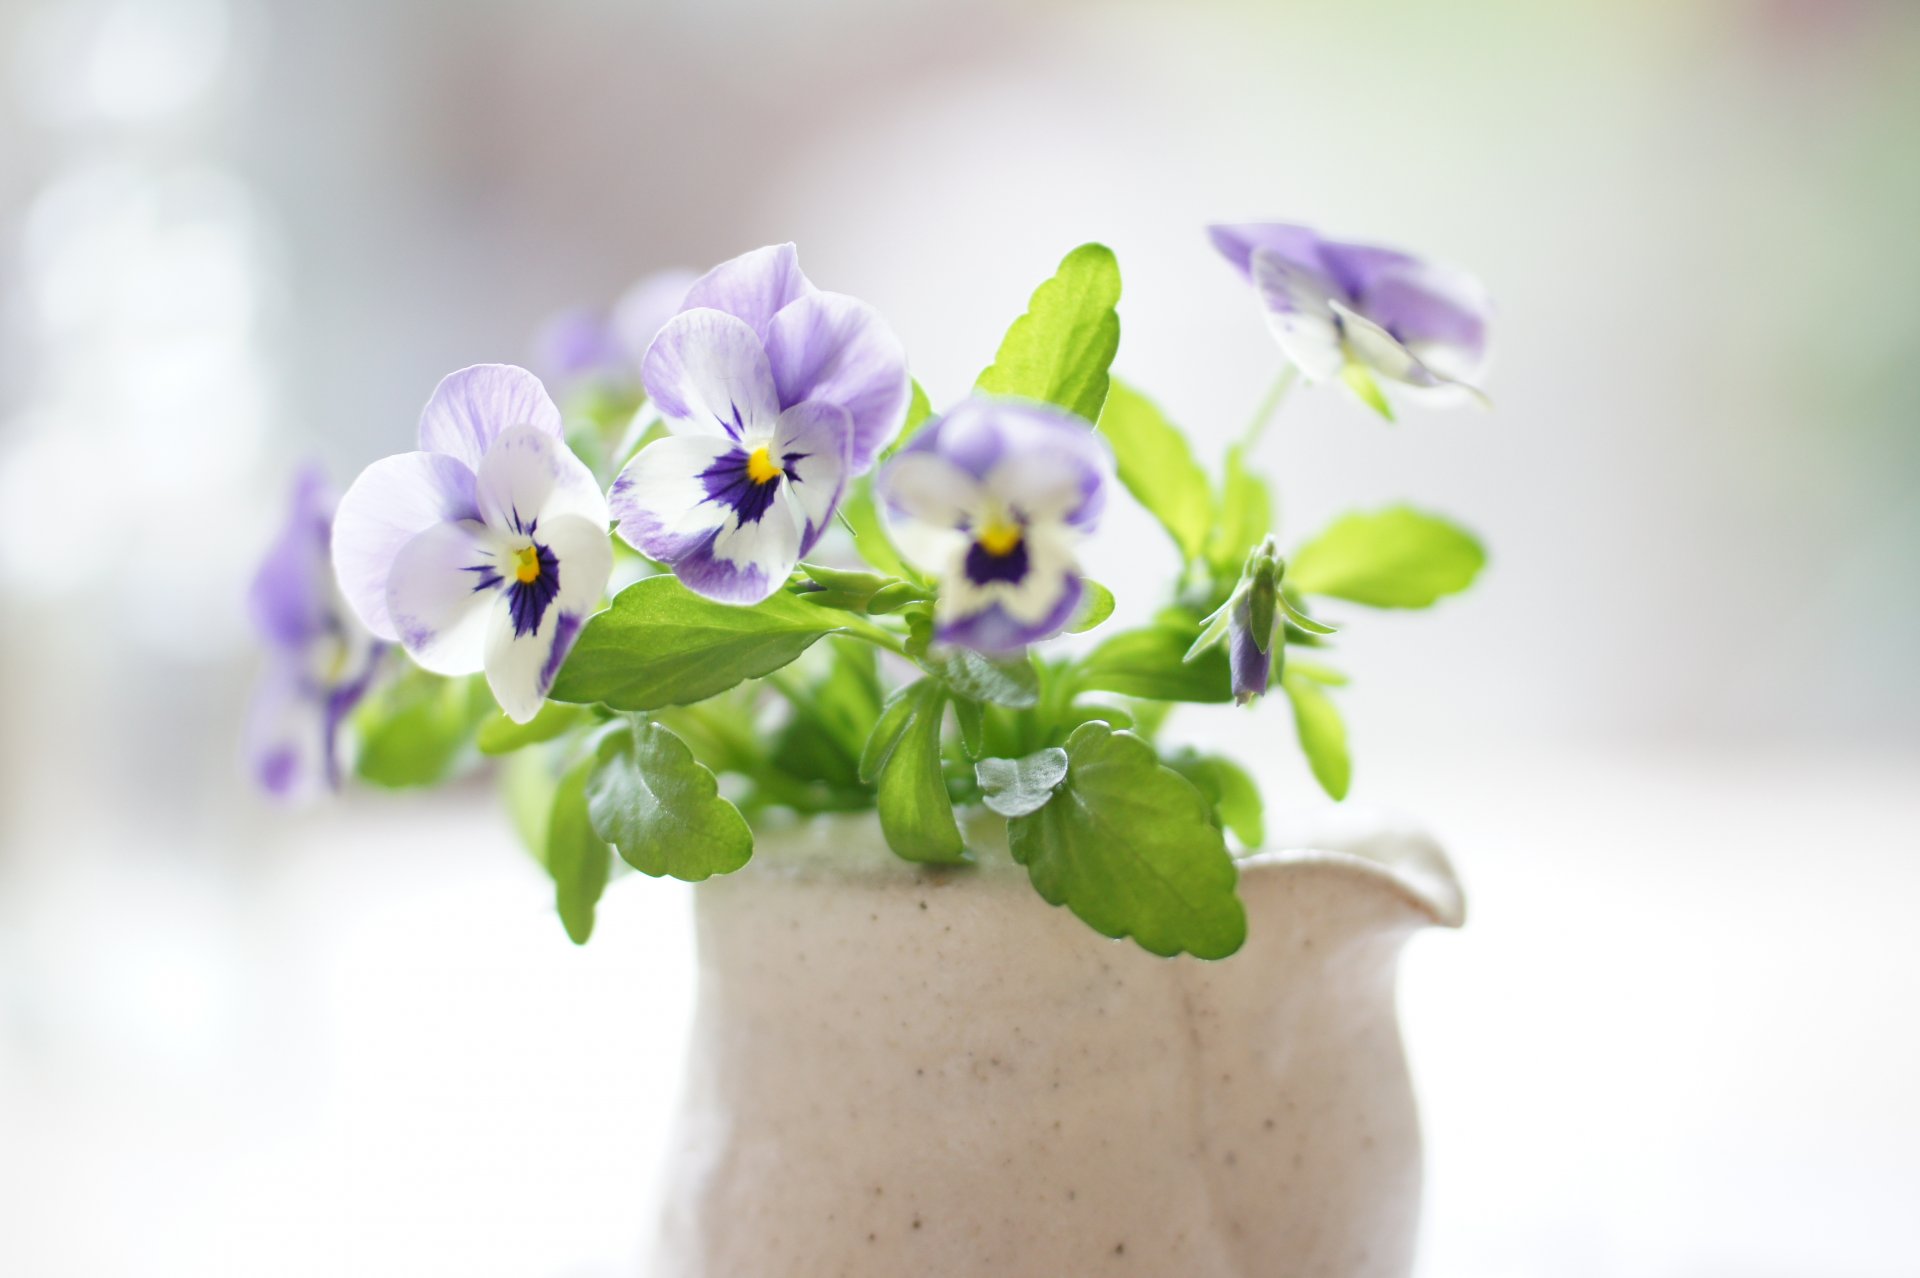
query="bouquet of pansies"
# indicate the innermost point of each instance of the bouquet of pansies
(821, 595)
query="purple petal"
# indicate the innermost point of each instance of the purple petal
(835, 349)
(660, 500)
(644, 310)
(528, 477)
(471, 408)
(813, 447)
(1300, 314)
(753, 287)
(1237, 242)
(392, 502)
(1042, 458)
(727, 580)
(996, 632)
(708, 372)
(1251, 668)
(292, 596)
(1440, 313)
(580, 344)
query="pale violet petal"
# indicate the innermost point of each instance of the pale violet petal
(392, 502)
(753, 287)
(1300, 312)
(707, 372)
(813, 445)
(528, 477)
(444, 584)
(473, 407)
(745, 563)
(1377, 349)
(660, 498)
(836, 349)
(644, 309)
(1056, 471)
(927, 502)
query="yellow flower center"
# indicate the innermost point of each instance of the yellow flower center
(999, 537)
(526, 565)
(761, 468)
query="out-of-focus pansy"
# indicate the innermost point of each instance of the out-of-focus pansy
(992, 499)
(320, 662)
(1362, 313)
(777, 394)
(487, 548)
(586, 345)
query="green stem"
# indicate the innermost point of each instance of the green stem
(1276, 395)
(880, 636)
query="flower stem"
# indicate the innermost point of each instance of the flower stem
(1276, 395)
(880, 636)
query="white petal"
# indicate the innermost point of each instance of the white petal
(814, 445)
(660, 499)
(1299, 310)
(528, 477)
(521, 668)
(769, 547)
(444, 584)
(473, 407)
(584, 558)
(1049, 562)
(708, 373)
(392, 502)
(1376, 348)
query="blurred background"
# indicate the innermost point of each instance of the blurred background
(1671, 738)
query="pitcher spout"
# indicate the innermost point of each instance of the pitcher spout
(1394, 854)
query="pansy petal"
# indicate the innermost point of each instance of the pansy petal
(830, 347)
(745, 563)
(643, 310)
(813, 445)
(393, 501)
(285, 734)
(1237, 242)
(473, 407)
(528, 477)
(994, 629)
(707, 373)
(292, 592)
(660, 498)
(585, 559)
(1439, 313)
(521, 667)
(927, 501)
(1376, 348)
(1059, 473)
(1300, 313)
(753, 287)
(444, 584)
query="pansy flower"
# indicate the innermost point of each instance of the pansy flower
(777, 394)
(487, 548)
(991, 499)
(1359, 312)
(320, 662)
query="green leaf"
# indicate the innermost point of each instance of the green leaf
(1012, 682)
(662, 645)
(973, 726)
(577, 857)
(1059, 351)
(1300, 620)
(1360, 381)
(1318, 673)
(869, 534)
(1393, 558)
(833, 717)
(1246, 514)
(1130, 846)
(656, 803)
(1322, 735)
(501, 735)
(903, 759)
(1158, 468)
(1152, 662)
(1234, 794)
(1095, 607)
(919, 413)
(1016, 787)
(526, 785)
(418, 730)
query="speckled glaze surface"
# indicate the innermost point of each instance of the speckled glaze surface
(898, 1071)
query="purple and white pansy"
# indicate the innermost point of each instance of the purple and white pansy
(992, 499)
(485, 549)
(1360, 312)
(320, 662)
(777, 393)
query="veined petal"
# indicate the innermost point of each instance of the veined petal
(522, 664)
(1376, 348)
(1439, 313)
(753, 287)
(745, 563)
(393, 501)
(1299, 306)
(833, 348)
(927, 503)
(528, 478)
(993, 629)
(707, 372)
(445, 583)
(813, 446)
(1060, 473)
(473, 407)
(660, 498)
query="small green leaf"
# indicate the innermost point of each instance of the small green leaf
(1130, 846)
(1012, 682)
(1059, 351)
(1095, 607)
(1158, 468)
(1393, 558)
(419, 729)
(1246, 514)
(662, 645)
(1359, 380)
(1301, 620)
(895, 597)
(501, 735)
(1322, 735)
(1015, 787)
(1234, 794)
(1153, 662)
(578, 858)
(971, 717)
(656, 803)
(903, 759)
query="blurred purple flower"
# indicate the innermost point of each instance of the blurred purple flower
(320, 663)
(586, 344)
(1359, 312)
(778, 393)
(992, 499)
(486, 549)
